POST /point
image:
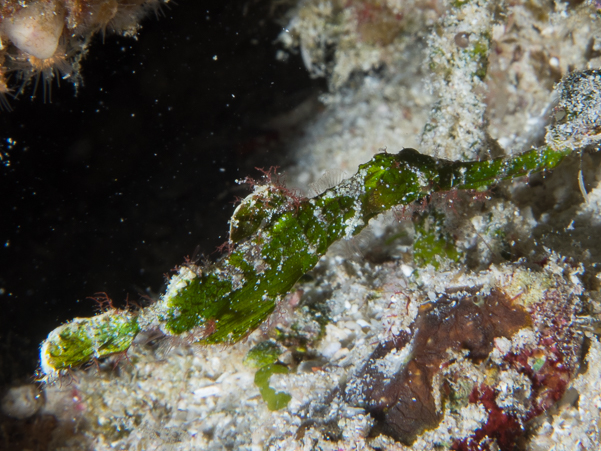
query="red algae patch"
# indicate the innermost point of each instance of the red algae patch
(504, 356)
(404, 404)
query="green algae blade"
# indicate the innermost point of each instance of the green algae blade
(275, 400)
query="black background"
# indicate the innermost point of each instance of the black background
(108, 190)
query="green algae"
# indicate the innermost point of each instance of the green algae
(263, 354)
(432, 243)
(275, 400)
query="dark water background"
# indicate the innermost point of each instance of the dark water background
(109, 189)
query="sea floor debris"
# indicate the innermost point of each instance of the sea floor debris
(512, 352)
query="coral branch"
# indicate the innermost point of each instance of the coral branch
(458, 58)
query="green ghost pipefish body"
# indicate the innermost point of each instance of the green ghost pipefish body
(276, 237)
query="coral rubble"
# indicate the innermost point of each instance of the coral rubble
(481, 387)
